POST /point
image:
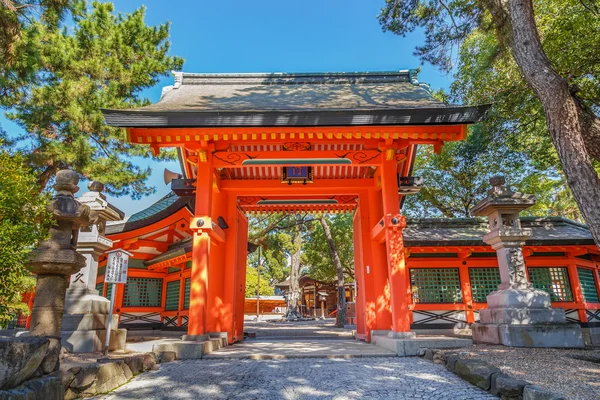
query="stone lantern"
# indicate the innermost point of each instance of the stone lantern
(518, 314)
(86, 311)
(56, 258)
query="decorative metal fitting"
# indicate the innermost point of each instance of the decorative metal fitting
(200, 223)
(395, 221)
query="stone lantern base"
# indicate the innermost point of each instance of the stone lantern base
(524, 318)
(84, 322)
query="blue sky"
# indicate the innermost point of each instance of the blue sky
(273, 36)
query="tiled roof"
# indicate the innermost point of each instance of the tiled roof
(163, 208)
(282, 91)
(469, 232)
(287, 99)
(160, 205)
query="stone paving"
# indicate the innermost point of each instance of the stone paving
(265, 348)
(307, 378)
(298, 329)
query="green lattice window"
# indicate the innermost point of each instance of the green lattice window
(172, 298)
(588, 286)
(109, 288)
(186, 294)
(483, 282)
(100, 288)
(435, 285)
(143, 292)
(552, 280)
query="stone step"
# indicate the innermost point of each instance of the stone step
(410, 347)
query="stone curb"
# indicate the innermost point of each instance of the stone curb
(488, 377)
(107, 374)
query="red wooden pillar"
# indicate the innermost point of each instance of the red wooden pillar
(377, 270)
(201, 225)
(393, 223)
(230, 266)
(359, 275)
(364, 268)
(465, 282)
(240, 276)
(577, 292)
(217, 312)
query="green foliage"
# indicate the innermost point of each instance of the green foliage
(458, 178)
(104, 60)
(460, 38)
(317, 253)
(252, 282)
(24, 219)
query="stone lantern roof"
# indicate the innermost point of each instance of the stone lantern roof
(502, 198)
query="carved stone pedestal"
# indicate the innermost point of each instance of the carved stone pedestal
(518, 315)
(86, 312)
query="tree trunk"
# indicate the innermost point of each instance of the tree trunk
(568, 122)
(294, 291)
(341, 290)
(46, 175)
(575, 130)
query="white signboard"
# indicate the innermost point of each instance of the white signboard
(116, 266)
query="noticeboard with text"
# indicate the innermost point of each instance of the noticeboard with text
(116, 267)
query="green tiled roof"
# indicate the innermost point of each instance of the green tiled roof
(155, 208)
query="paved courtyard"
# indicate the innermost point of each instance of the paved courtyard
(304, 378)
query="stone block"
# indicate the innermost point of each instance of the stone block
(150, 362)
(531, 392)
(522, 316)
(506, 386)
(135, 363)
(66, 377)
(223, 336)
(167, 356)
(591, 336)
(99, 378)
(411, 347)
(118, 338)
(451, 360)
(185, 350)
(93, 341)
(110, 375)
(86, 322)
(20, 358)
(542, 335)
(493, 383)
(195, 338)
(486, 333)
(85, 303)
(477, 372)
(84, 379)
(46, 388)
(51, 360)
(518, 298)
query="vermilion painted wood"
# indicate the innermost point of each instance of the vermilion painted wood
(397, 270)
(240, 275)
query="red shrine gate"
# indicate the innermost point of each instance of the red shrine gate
(296, 143)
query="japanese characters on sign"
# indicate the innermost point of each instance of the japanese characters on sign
(116, 267)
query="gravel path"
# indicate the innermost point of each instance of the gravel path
(309, 378)
(552, 369)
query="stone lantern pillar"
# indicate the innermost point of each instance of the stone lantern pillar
(56, 258)
(86, 312)
(518, 314)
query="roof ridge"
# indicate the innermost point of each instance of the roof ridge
(294, 78)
